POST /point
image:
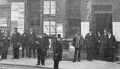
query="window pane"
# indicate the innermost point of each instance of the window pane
(46, 29)
(49, 27)
(52, 33)
(53, 7)
(52, 26)
(46, 23)
(53, 12)
(53, 3)
(84, 28)
(116, 30)
(46, 12)
(52, 23)
(59, 28)
(46, 3)
(46, 7)
(46, 26)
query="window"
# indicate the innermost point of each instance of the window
(46, 7)
(116, 30)
(49, 7)
(85, 28)
(50, 27)
(60, 29)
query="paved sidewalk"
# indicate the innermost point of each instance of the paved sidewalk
(64, 64)
(26, 62)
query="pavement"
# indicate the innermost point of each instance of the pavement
(84, 64)
(30, 63)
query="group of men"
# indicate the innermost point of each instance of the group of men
(32, 45)
(98, 46)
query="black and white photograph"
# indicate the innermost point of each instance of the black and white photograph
(59, 34)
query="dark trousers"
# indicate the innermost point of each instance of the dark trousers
(77, 54)
(24, 52)
(4, 54)
(56, 64)
(109, 54)
(40, 57)
(34, 52)
(16, 53)
(29, 52)
(91, 53)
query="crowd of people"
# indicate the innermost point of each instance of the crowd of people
(98, 46)
(32, 45)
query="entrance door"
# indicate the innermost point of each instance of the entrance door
(103, 21)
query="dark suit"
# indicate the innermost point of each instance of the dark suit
(111, 48)
(57, 50)
(1, 42)
(31, 44)
(103, 46)
(25, 44)
(5, 47)
(16, 44)
(78, 43)
(41, 45)
(91, 46)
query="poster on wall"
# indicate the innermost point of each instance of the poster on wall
(17, 15)
(116, 30)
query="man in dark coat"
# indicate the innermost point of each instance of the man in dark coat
(34, 45)
(25, 43)
(42, 49)
(98, 36)
(16, 43)
(6, 46)
(1, 41)
(78, 42)
(39, 50)
(111, 47)
(103, 45)
(91, 42)
(31, 42)
(57, 51)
